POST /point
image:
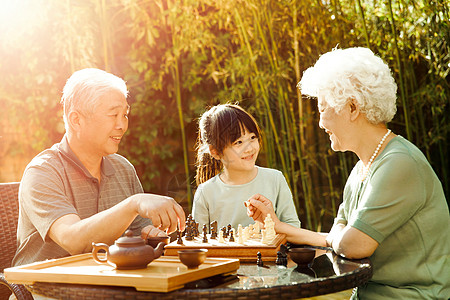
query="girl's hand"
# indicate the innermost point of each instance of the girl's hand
(258, 207)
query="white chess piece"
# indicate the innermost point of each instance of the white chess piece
(269, 226)
(240, 234)
(263, 236)
(256, 227)
(221, 239)
(246, 234)
(250, 230)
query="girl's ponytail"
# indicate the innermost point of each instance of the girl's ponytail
(207, 166)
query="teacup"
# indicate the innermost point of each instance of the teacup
(192, 258)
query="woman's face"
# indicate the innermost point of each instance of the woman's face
(335, 124)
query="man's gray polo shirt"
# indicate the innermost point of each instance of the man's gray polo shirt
(54, 184)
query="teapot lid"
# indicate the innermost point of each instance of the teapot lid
(129, 239)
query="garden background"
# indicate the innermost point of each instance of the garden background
(179, 57)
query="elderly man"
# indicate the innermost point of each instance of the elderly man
(80, 191)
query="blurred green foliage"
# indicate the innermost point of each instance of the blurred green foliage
(179, 57)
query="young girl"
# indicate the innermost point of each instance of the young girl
(228, 145)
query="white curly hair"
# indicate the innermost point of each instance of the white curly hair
(354, 74)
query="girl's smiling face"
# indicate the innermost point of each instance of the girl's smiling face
(241, 155)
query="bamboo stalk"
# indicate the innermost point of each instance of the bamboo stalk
(177, 89)
(400, 72)
(361, 12)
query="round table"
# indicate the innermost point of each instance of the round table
(328, 273)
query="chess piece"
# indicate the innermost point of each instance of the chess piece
(228, 229)
(256, 227)
(205, 237)
(224, 230)
(285, 259)
(188, 230)
(250, 230)
(213, 233)
(259, 261)
(279, 260)
(231, 239)
(213, 228)
(263, 236)
(197, 232)
(246, 234)
(269, 226)
(240, 234)
(221, 239)
(179, 239)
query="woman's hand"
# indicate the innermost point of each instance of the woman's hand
(258, 207)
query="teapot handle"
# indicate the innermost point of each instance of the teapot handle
(97, 247)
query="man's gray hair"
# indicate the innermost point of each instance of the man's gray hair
(85, 87)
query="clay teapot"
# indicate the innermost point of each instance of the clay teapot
(128, 252)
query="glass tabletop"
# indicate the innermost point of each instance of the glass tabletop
(328, 273)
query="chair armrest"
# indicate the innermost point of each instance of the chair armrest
(17, 289)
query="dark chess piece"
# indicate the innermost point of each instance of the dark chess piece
(284, 256)
(205, 237)
(196, 231)
(213, 233)
(231, 236)
(224, 230)
(259, 261)
(188, 235)
(228, 229)
(279, 260)
(188, 230)
(179, 239)
(285, 259)
(213, 228)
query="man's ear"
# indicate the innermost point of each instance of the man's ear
(214, 152)
(74, 120)
(354, 109)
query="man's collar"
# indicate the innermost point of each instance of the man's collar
(107, 168)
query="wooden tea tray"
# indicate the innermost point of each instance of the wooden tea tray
(164, 274)
(245, 252)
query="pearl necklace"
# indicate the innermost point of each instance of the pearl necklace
(365, 169)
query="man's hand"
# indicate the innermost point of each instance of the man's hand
(164, 212)
(150, 231)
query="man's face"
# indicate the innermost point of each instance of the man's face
(103, 130)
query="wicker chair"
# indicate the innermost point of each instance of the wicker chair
(9, 213)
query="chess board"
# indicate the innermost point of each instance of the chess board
(245, 252)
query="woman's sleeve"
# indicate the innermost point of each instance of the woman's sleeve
(395, 192)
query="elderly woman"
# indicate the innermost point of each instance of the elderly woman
(394, 209)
